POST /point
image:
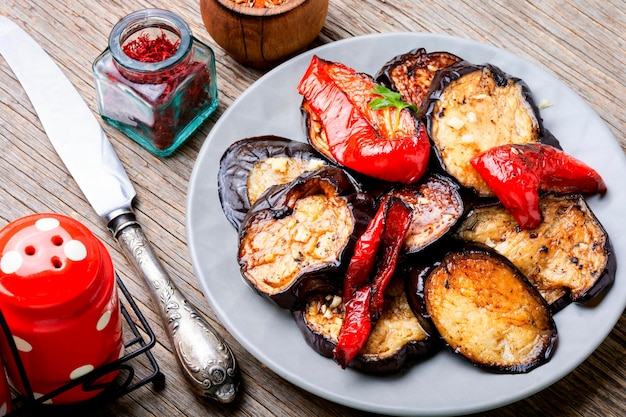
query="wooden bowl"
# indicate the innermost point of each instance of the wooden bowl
(263, 37)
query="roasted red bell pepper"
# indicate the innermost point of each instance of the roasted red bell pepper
(364, 257)
(356, 327)
(364, 292)
(363, 139)
(398, 221)
(518, 173)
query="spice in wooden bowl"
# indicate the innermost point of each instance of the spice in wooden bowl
(263, 37)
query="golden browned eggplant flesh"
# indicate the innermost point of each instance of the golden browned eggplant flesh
(486, 311)
(296, 233)
(472, 108)
(466, 272)
(397, 340)
(568, 257)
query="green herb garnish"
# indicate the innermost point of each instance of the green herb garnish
(389, 98)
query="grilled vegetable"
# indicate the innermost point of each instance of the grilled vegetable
(437, 206)
(486, 311)
(369, 272)
(568, 254)
(517, 173)
(410, 74)
(396, 341)
(250, 166)
(295, 237)
(473, 108)
(415, 274)
(388, 144)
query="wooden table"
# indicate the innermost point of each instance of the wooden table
(582, 42)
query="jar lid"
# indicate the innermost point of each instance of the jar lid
(50, 264)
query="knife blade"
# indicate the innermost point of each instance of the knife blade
(205, 358)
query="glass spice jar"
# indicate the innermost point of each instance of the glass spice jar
(155, 82)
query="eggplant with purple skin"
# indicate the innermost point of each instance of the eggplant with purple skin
(415, 272)
(396, 341)
(569, 257)
(470, 109)
(297, 236)
(437, 206)
(411, 74)
(485, 310)
(250, 166)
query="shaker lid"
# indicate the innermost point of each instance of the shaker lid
(49, 261)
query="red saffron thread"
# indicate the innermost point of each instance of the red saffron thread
(145, 49)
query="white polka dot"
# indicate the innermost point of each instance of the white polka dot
(47, 223)
(3, 409)
(11, 262)
(104, 320)
(80, 371)
(75, 250)
(38, 395)
(22, 345)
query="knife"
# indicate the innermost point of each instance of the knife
(206, 360)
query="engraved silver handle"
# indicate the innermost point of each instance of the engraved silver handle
(206, 360)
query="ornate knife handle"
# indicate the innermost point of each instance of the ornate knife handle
(206, 360)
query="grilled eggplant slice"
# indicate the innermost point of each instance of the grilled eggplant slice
(568, 256)
(250, 166)
(396, 341)
(486, 311)
(410, 74)
(437, 206)
(472, 108)
(295, 237)
(415, 274)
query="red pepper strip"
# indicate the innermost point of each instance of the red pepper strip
(364, 257)
(356, 327)
(518, 173)
(398, 221)
(360, 138)
(365, 303)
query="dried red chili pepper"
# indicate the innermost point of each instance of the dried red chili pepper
(360, 138)
(363, 292)
(518, 173)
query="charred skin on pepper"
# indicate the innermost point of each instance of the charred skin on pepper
(365, 305)
(358, 137)
(518, 173)
(397, 222)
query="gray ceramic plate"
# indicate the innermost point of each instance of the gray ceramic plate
(445, 384)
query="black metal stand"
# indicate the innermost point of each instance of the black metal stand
(134, 370)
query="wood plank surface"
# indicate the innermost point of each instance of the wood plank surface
(581, 42)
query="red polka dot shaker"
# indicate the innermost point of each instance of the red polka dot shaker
(59, 299)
